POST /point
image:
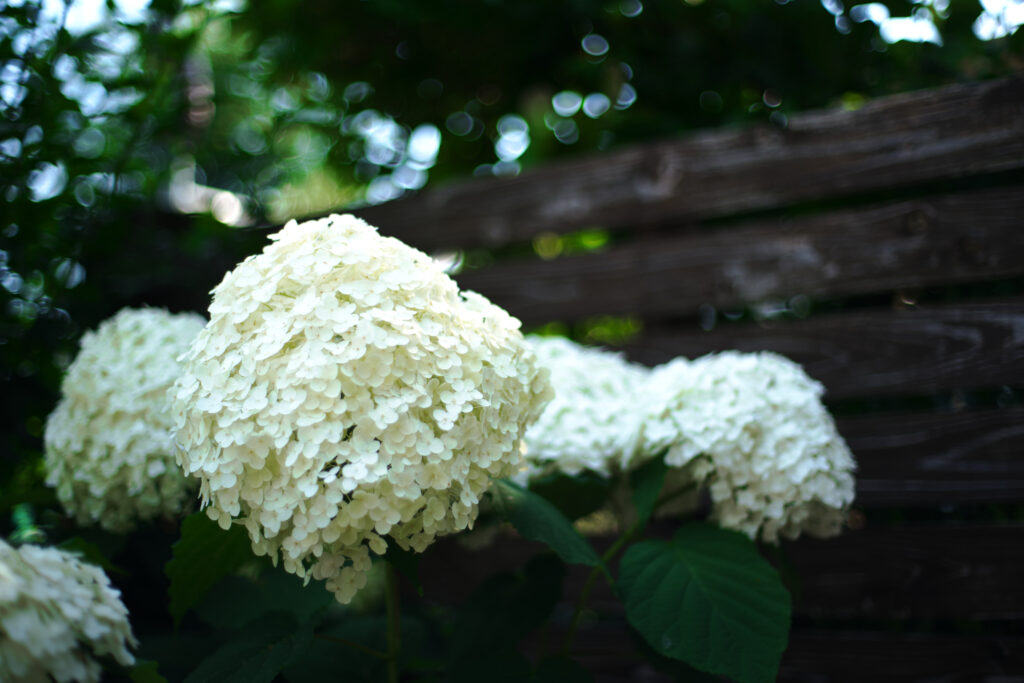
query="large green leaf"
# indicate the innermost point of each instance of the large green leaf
(204, 555)
(707, 598)
(538, 520)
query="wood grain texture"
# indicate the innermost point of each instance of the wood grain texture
(872, 352)
(608, 649)
(826, 656)
(969, 237)
(891, 142)
(911, 571)
(925, 459)
(941, 571)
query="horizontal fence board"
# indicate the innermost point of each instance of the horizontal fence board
(913, 571)
(937, 458)
(821, 657)
(874, 353)
(607, 649)
(936, 571)
(942, 240)
(891, 142)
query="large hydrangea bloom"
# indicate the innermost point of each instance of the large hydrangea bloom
(593, 423)
(109, 443)
(57, 614)
(344, 390)
(752, 429)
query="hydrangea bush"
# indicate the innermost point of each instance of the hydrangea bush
(748, 427)
(57, 615)
(345, 391)
(109, 443)
(346, 405)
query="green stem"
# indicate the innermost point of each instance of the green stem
(581, 603)
(394, 623)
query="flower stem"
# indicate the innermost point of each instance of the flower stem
(581, 603)
(394, 623)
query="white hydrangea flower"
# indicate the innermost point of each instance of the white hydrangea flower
(109, 443)
(752, 428)
(593, 423)
(344, 390)
(57, 614)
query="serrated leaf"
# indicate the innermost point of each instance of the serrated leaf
(706, 597)
(646, 482)
(204, 555)
(257, 654)
(538, 520)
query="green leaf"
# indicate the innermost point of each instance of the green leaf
(203, 556)
(646, 482)
(257, 653)
(145, 672)
(236, 600)
(708, 598)
(575, 496)
(539, 520)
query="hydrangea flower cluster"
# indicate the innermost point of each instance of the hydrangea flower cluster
(57, 614)
(345, 391)
(752, 428)
(593, 423)
(109, 443)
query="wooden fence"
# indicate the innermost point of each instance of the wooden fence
(883, 249)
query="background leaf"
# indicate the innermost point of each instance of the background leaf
(538, 520)
(237, 600)
(646, 482)
(708, 598)
(203, 556)
(258, 652)
(575, 496)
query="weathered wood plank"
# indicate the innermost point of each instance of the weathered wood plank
(825, 656)
(936, 571)
(974, 236)
(913, 571)
(607, 649)
(890, 143)
(930, 349)
(937, 458)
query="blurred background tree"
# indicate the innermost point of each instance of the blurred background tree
(144, 146)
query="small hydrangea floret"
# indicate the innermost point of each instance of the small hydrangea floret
(109, 443)
(752, 430)
(57, 615)
(345, 392)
